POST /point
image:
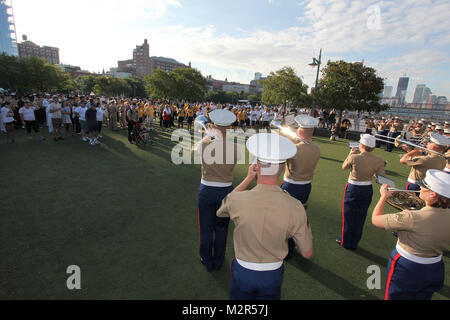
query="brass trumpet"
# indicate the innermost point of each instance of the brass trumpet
(200, 124)
(277, 124)
(398, 142)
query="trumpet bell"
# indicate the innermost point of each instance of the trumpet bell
(201, 122)
(276, 124)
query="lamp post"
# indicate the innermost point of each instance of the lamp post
(316, 63)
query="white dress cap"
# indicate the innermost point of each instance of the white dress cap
(222, 118)
(368, 140)
(447, 131)
(271, 148)
(437, 181)
(307, 122)
(439, 139)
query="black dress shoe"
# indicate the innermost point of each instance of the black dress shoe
(339, 241)
(395, 234)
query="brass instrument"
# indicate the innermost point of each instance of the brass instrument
(406, 200)
(399, 142)
(287, 131)
(200, 124)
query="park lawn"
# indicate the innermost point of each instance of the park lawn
(127, 216)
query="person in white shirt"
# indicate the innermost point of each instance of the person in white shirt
(81, 111)
(266, 119)
(28, 119)
(66, 112)
(100, 114)
(46, 105)
(56, 119)
(8, 121)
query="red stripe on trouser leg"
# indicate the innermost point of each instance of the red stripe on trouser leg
(391, 273)
(408, 185)
(343, 216)
(281, 186)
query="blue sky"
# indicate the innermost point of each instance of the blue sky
(234, 39)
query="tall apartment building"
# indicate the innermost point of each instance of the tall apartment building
(28, 48)
(143, 65)
(8, 35)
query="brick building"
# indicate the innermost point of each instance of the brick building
(28, 48)
(143, 65)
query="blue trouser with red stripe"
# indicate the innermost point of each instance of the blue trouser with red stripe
(412, 186)
(255, 285)
(357, 200)
(408, 280)
(301, 193)
(213, 230)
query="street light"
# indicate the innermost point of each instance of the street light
(316, 63)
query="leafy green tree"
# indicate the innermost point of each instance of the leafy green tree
(86, 84)
(350, 86)
(161, 84)
(284, 87)
(189, 84)
(137, 87)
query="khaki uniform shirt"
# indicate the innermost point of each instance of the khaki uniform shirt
(265, 219)
(396, 127)
(423, 233)
(222, 168)
(420, 165)
(303, 165)
(381, 126)
(364, 166)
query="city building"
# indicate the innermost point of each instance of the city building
(257, 84)
(421, 94)
(8, 35)
(388, 90)
(69, 68)
(28, 48)
(236, 87)
(143, 65)
(114, 72)
(141, 60)
(166, 64)
(402, 89)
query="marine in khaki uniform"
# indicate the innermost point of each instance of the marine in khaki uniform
(216, 184)
(447, 157)
(421, 164)
(359, 191)
(265, 218)
(300, 169)
(416, 269)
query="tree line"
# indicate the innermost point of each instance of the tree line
(343, 85)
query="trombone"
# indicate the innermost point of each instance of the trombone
(287, 131)
(398, 142)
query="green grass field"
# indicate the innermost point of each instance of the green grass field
(127, 217)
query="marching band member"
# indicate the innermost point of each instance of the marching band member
(421, 164)
(300, 169)
(359, 191)
(381, 130)
(216, 184)
(394, 131)
(416, 269)
(265, 218)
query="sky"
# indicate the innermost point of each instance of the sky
(234, 39)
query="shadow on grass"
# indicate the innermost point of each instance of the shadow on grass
(445, 291)
(330, 280)
(330, 159)
(372, 257)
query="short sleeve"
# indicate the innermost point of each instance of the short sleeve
(223, 211)
(301, 232)
(417, 161)
(402, 221)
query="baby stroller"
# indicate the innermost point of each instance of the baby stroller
(140, 135)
